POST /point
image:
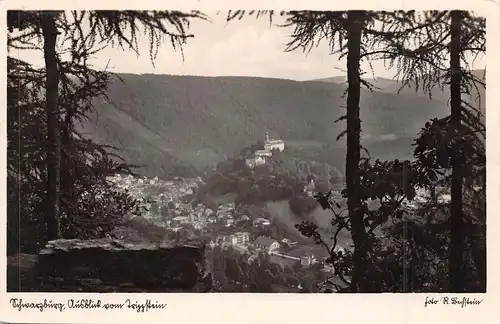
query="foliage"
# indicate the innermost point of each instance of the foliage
(419, 44)
(237, 272)
(90, 207)
(282, 177)
(408, 252)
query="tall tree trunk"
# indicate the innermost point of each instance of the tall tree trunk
(478, 235)
(68, 168)
(53, 137)
(479, 258)
(455, 263)
(356, 213)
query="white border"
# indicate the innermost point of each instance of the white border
(279, 308)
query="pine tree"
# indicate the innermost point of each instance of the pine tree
(446, 40)
(79, 200)
(416, 43)
(49, 31)
(456, 261)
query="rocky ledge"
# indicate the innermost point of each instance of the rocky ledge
(110, 265)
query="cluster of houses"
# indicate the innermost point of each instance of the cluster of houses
(284, 249)
(162, 201)
(162, 205)
(260, 156)
(273, 247)
(162, 191)
(165, 208)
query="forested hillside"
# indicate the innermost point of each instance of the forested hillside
(186, 124)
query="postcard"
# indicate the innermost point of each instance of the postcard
(256, 162)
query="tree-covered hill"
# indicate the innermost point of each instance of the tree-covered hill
(179, 125)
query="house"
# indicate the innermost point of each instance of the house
(259, 160)
(198, 225)
(243, 218)
(261, 222)
(270, 144)
(307, 260)
(223, 238)
(181, 219)
(250, 163)
(310, 187)
(289, 242)
(266, 243)
(242, 237)
(444, 198)
(221, 214)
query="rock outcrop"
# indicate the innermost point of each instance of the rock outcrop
(110, 265)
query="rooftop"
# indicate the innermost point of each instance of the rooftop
(264, 240)
(273, 141)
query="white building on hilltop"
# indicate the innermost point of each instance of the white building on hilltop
(258, 160)
(260, 156)
(271, 144)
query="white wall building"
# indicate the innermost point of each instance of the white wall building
(259, 160)
(271, 144)
(261, 221)
(261, 155)
(242, 237)
(267, 244)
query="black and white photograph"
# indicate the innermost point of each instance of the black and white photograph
(246, 151)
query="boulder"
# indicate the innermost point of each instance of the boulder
(111, 265)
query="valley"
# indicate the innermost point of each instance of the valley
(185, 125)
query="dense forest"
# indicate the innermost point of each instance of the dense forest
(193, 123)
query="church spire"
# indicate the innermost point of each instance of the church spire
(267, 137)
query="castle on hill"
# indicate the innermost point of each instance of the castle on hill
(260, 156)
(272, 144)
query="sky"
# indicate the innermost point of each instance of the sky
(249, 47)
